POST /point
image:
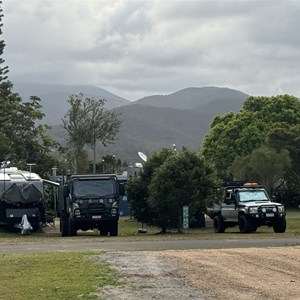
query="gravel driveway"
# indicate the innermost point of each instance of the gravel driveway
(235, 274)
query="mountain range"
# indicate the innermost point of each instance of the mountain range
(182, 118)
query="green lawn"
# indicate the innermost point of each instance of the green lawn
(128, 231)
(53, 276)
(69, 275)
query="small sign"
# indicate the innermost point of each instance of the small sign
(185, 213)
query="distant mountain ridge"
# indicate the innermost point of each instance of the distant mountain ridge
(193, 97)
(148, 124)
(54, 97)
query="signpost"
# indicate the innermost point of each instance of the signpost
(185, 213)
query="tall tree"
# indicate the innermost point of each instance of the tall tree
(87, 122)
(184, 179)
(21, 139)
(238, 134)
(138, 187)
(3, 70)
(168, 181)
(263, 165)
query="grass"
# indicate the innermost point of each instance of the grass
(53, 276)
(73, 275)
(128, 231)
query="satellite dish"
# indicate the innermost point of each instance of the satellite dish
(142, 156)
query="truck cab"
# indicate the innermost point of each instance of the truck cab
(89, 201)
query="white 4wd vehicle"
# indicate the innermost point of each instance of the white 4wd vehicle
(248, 206)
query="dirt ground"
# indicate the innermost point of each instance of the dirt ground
(235, 274)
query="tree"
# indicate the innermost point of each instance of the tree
(137, 186)
(288, 137)
(3, 70)
(87, 122)
(263, 165)
(182, 180)
(21, 139)
(238, 134)
(167, 182)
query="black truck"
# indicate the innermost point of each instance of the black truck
(88, 202)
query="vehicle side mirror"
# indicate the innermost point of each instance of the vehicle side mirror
(231, 199)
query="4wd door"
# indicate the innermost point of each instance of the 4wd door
(229, 208)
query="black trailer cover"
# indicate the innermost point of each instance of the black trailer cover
(25, 193)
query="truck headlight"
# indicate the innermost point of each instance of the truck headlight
(252, 209)
(281, 209)
(77, 212)
(114, 211)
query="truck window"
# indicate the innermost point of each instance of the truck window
(91, 187)
(254, 195)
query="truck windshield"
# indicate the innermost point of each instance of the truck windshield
(93, 187)
(254, 195)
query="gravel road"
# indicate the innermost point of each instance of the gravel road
(235, 274)
(239, 269)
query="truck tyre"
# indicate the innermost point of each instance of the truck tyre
(280, 226)
(219, 226)
(72, 231)
(35, 226)
(114, 229)
(63, 225)
(244, 224)
(103, 230)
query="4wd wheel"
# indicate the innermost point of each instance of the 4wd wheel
(280, 226)
(244, 224)
(71, 228)
(114, 229)
(219, 226)
(63, 225)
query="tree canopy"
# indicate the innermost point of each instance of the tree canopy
(22, 139)
(238, 134)
(168, 182)
(265, 166)
(87, 122)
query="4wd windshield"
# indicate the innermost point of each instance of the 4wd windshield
(92, 187)
(253, 195)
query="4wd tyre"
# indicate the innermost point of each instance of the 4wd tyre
(245, 225)
(114, 229)
(280, 226)
(219, 226)
(71, 228)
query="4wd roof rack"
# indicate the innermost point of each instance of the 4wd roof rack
(234, 183)
(242, 184)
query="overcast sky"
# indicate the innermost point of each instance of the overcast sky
(140, 48)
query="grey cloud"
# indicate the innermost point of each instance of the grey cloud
(137, 48)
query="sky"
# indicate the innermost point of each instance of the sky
(140, 48)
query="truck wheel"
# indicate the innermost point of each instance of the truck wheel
(280, 226)
(244, 224)
(103, 231)
(72, 231)
(114, 229)
(63, 225)
(35, 226)
(219, 226)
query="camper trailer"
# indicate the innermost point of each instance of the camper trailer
(21, 197)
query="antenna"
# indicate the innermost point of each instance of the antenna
(142, 156)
